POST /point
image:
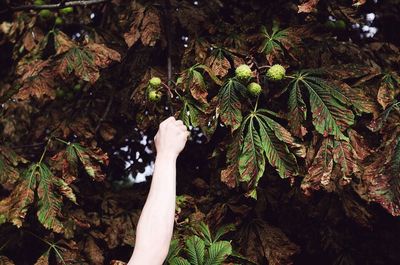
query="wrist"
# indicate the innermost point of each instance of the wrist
(167, 156)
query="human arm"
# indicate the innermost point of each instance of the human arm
(156, 222)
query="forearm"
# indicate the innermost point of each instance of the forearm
(156, 222)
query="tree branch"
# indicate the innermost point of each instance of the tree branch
(62, 4)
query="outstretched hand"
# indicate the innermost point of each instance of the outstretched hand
(171, 137)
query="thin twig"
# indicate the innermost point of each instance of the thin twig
(104, 114)
(167, 20)
(57, 6)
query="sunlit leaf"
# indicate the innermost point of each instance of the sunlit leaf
(196, 250)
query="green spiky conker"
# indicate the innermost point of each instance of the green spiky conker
(254, 88)
(154, 96)
(66, 10)
(38, 2)
(59, 21)
(155, 81)
(276, 72)
(45, 14)
(243, 72)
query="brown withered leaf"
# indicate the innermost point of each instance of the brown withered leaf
(380, 181)
(334, 164)
(9, 161)
(43, 259)
(151, 27)
(36, 80)
(62, 42)
(385, 95)
(308, 6)
(320, 171)
(92, 159)
(355, 210)
(260, 239)
(134, 33)
(219, 65)
(107, 132)
(359, 2)
(14, 207)
(146, 26)
(32, 38)
(82, 127)
(5, 261)
(230, 175)
(93, 252)
(103, 56)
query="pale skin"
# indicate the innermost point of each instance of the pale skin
(156, 222)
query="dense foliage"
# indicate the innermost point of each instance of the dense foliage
(294, 155)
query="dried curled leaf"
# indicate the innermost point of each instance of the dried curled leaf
(9, 161)
(263, 240)
(37, 80)
(308, 6)
(146, 26)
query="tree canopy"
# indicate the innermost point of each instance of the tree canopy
(293, 108)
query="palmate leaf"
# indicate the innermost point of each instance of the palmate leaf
(191, 111)
(265, 137)
(81, 62)
(9, 160)
(334, 164)
(218, 252)
(49, 188)
(251, 159)
(195, 249)
(229, 103)
(178, 261)
(90, 159)
(273, 42)
(230, 174)
(14, 207)
(274, 138)
(297, 111)
(330, 114)
(50, 202)
(174, 250)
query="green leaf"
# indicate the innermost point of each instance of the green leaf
(251, 159)
(79, 61)
(204, 233)
(90, 159)
(179, 261)
(50, 202)
(223, 230)
(330, 114)
(297, 110)
(190, 112)
(174, 250)
(196, 250)
(273, 42)
(230, 107)
(273, 137)
(218, 252)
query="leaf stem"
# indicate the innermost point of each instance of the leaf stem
(255, 107)
(62, 141)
